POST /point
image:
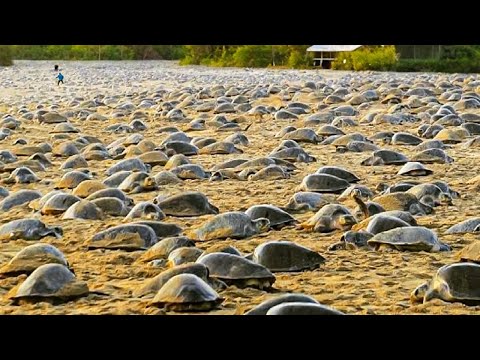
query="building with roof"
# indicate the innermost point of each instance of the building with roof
(323, 55)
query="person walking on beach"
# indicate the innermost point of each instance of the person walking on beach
(60, 78)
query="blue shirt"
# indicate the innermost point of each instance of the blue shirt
(60, 76)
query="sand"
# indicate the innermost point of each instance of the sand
(355, 282)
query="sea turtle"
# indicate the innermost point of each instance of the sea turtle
(201, 142)
(58, 203)
(123, 237)
(412, 238)
(404, 202)
(111, 206)
(153, 285)
(385, 157)
(72, 179)
(431, 156)
(186, 204)
(74, 162)
(167, 178)
(235, 224)
(22, 175)
(452, 283)
(229, 164)
(164, 247)
(236, 270)
(403, 138)
(87, 188)
(237, 139)
(471, 225)
(65, 149)
(133, 164)
(280, 256)
(31, 257)
(446, 189)
(262, 308)
(430, 194)
(357, 146)
(414, 169)
(145, 210)
(28, 229)
(302, 308)
(271, 172)
(307, 201)
(110, 192)
(221, 147)
(18, 198)
(190, 172)
(276, 216)
(323, 183)
(364, 192)
(138, 182)
(303, 135)
(430, 144)
(84, 209)
(183, 255)
(50, 282)
(187, 292)
(222, 248)
(470, 253)
(3, 192)
(153, 158)
(179, 147)
(176, 160)
(330, 218)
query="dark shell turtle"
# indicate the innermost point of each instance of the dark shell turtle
(183, 255)
(402, 138)
(153, 285)
(138, 182)
(307, 201)
(263, 308)
(111, 206)
(187, 292)
(161, 229)
(404, 202)
(176, 160)
(111, 192)
(303, 135)
(323, 183)
(84, 209)
(74, 162)
(229, 164)
(468, 226)
(123, 237)
(164, 247)
(221, 147)
(72, 179)
(18, 198)
(293, 154)
(190, 171)
(186, 204)
(22, 175)
(302, 308)
(235, 224)
(50, 282)
(133, 164)
(167, 178)
(277, 217)
(179, 147)
(280, 256)
(145, 210)
(385, 157)
(452, 283)
(31, 257)
(431, 156)
(413, 238)
(271, 172)
(153, 158)
(116, 179)
(430, 194)
(330, 218)
(58, 203)
(28, 229)
(238, 271)
(446, 189)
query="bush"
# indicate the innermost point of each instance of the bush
(253, 56)
(367, 58)
(463, 65)
(5, 56)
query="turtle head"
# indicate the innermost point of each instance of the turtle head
(382, 187)
(56, 231)
(445, 199)
(323, 225)
(346, 221)
(418, 295)
(262, 224)
(149, 182)
(216, 176)
(355, 239)
(341, 149)
(477, 228)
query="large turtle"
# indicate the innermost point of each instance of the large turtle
(133, 164)
(471, 225)
(145, 210)
(404, 202)
(385, 157)
(413, 168)
(271, 172)
(236, 270)
(187, 292)
(183, 255)
(111, 206)
(323, 183)
(186, 204)
(277, 217)
(50, 282)
(84, 209)
(279, 256)
(293, 154)
(88, 187)
(117, 178)
(262, 308)
(167, 178)
(28, 229)
(425, 193)
(176, 160)
(307, 201)
(22, 175)
(413, 238)
(123, 237)
(110, 192)
(452, 283)
(330, 218)
(235, 224)
(164, 247)
(153, 285)
(302, 308)
(470, 253)
(339, 173)
(161, 229)
(138, 182)
(18, 198)
(31, 257)
(58, 203)
(72, 179)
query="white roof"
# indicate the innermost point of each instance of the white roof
(333, 48)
